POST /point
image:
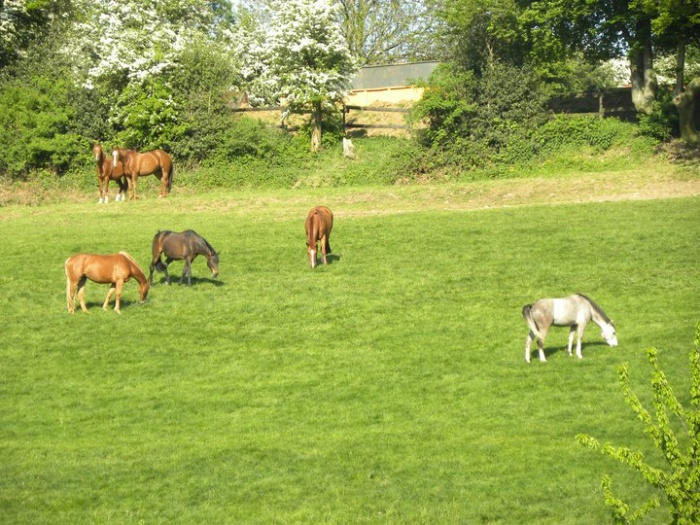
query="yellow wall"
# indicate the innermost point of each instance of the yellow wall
(397, 96)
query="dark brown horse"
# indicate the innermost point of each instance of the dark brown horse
(156, 162)
(114, 269)
(319, 223)
(181, 246)
(106, 171)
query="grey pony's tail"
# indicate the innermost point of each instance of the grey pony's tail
(527, 315)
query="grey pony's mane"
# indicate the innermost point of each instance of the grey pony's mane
(595, 306)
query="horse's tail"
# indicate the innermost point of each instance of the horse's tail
(527, 315)
(69, 295)
(171, 173)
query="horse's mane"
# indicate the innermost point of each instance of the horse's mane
(595, 306)
(132, 261)
(203, 240)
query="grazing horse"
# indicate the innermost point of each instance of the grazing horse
(319, 223)
(156, 162)
(107, 171)
(574, 311)
(181, 246)
(114, 269)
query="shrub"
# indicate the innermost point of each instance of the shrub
(680, 482)
(35, 128)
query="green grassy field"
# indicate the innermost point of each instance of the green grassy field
(387, 387)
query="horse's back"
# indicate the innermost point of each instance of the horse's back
(319, 219)
(98, 268)
(164, 158)
(175, 244)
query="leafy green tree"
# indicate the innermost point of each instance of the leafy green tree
(474, 118)
(36, 127)
(388, 31)
(477, 33)
(676, 26)
(27, 22)
(680, 481)
(131, 52)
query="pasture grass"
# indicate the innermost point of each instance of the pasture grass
(386, 387)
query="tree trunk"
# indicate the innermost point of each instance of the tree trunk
(644, 83)
(680, 67)
(317, 117)
(685, 104)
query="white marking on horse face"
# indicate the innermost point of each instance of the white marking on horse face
(115, 157)
(608, 332)
(312, 258)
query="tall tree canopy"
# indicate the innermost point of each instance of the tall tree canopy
(548, 34)
(388, 31)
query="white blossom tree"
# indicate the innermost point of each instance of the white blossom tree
(307, 58)
(132, 50)
(138, 39)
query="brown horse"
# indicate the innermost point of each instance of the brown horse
(181, 246)
(114, 269)
(106, 171)
(156, 162)
(319, 223)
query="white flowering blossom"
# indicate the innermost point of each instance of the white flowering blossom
(136, 38)
(306, 57)
(10, 12)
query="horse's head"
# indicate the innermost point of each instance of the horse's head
(311, 250)
(608, 333)
(213, 264)
(143, 290)
(97, 152)
(115, 157)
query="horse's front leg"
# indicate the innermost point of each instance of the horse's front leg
(123, 188)
(116, 289)
(100, 184)
(324, 243)
(105, 306)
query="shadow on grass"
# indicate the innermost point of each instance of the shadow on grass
(563, 349)
(196, 281)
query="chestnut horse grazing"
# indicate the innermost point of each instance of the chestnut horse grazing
(574, 311)
(319, 223)
(106, 171)
(156, 162)
(114, 269)
(181, 246)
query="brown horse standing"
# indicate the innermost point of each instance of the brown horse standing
(114, 269)
(106, 171)
(319, 223)
(156, 162)
(181, 246)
